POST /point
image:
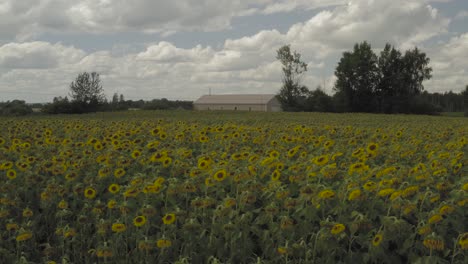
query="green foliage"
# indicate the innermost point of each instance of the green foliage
(58, 106)
(164, 104)
(15, 108)
(118, 103)
(386, 84)
(292, 94)
(87, 93)
(357, 79)
(465, 100)
(319, 101)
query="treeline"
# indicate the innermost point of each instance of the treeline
(87, 95)
(15, 108)
(390, 82)
(62, 105)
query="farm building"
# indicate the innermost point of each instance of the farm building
(241, 102)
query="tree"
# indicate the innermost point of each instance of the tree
(86, 92)
(415, 71)
(319, 101)
(15, 108)
(465, 100)
(389, 83)
(292, 95)
(390, 67)
(115, 99)
(357, 79)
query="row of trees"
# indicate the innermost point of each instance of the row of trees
(87, 95)
(15, 108)
(388, 83)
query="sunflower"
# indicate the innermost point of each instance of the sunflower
(463, 241)
(386, 192)
(169, 219)
(23, 236)
(152, 188)
(446, 209)
(377, 240)
(204, 164)
(163, 243)
(27, 212)
(357, 168)
(354, 195)
(114, 188)
(90, 193)
(274, 154)
(357, 153)
(220, 175)
(166, 161)
(424, 230)
(139, 220)
(229, 202)
(98, 146)
(119, 172)
(104, 252)
(276, 175)
(203, 139)
(71, 176)
(11, 174)
(434, 243)
(136, 153)
(410, 191)
(111, 204)
(435, 219)
(321, 160)
(372, 148)
(209, 182)
(282, 250)
(12, 226)
(132, 192)
(62, 204)
(337, 229)
(370, 186)
(7, 165)
(118, 227)
(326, 194)
(292, 152)
(328, 144)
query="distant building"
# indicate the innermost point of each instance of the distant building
(241, 102)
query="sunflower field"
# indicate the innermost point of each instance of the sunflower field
(233, 187)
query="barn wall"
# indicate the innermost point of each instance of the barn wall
(274, 106)
(231, 107)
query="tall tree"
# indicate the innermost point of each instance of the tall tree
(115, 99)
(390, 67)
(415, 70)
(87, 92)
(357, 79)
(292, 93)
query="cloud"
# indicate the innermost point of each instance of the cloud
(165, 52)
(291, 5)
(37, 55)
(27, 19)
(244, 65)
(462, 15)
(402, 22)
(450, 66)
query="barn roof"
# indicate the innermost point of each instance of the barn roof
(235, 99)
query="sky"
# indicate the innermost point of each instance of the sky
(180, 50)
